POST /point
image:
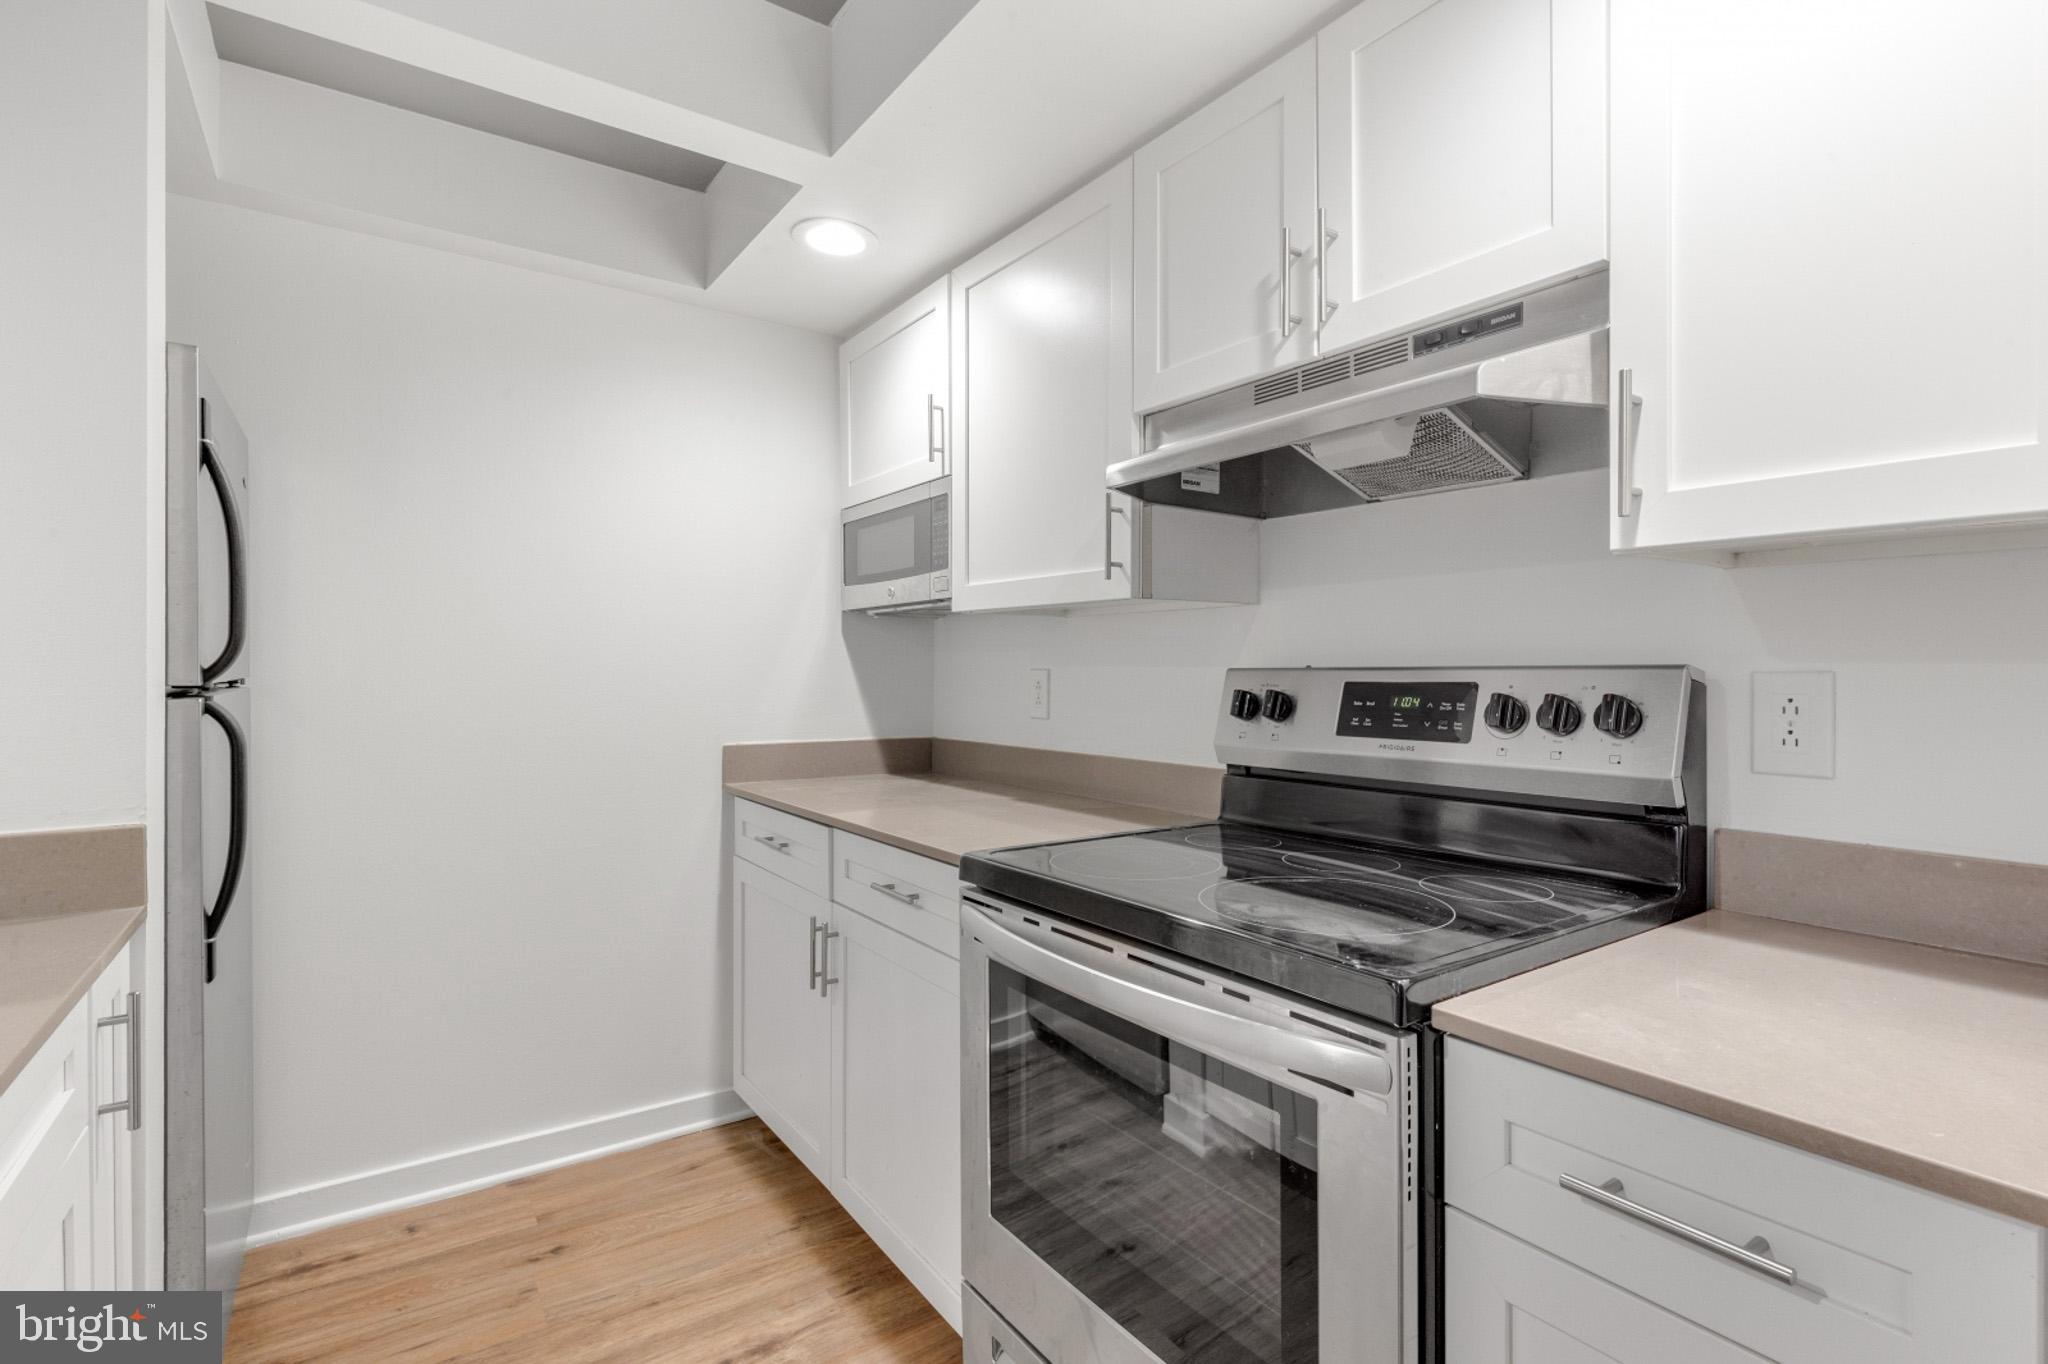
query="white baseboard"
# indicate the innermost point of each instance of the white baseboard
(295, 1212)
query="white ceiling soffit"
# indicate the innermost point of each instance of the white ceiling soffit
(272, 47)
(820, 10)
(574, 138)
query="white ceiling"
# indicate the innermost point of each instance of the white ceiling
(971, 114)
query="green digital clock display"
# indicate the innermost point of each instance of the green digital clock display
(1409, 713)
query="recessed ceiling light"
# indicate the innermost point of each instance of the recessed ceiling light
(833, 236)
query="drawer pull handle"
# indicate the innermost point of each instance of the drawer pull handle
(1753, 1254)
(780, 845)
(888, 888)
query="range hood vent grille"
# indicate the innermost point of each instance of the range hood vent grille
(1334, 370)
(1443, 452)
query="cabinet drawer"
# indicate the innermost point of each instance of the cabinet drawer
(1508, 1303)
(1884, 1272)
(792, 847)
(914, 895)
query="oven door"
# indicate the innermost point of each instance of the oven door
(1164, 1166)
(895, 549)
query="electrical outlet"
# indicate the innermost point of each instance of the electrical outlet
(1792, 724)
(1041, 694)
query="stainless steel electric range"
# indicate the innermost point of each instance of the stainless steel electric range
(1200, 1099)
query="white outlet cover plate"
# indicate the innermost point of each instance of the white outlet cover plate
(1792, 724)
(1038, 694)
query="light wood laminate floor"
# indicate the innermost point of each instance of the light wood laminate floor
(718, 1246)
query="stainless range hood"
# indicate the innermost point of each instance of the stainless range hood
(1447, 406)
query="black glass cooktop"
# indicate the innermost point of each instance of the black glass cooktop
(1380, 930)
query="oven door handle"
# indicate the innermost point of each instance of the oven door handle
(1239, 1039)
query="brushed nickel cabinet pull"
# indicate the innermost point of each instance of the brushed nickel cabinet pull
(1755, 1253)
(1289, 253)
(131, 1019)
(1110, 511)
(826, 979)
(1625, 490)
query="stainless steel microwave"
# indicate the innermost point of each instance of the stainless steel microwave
(897, 552)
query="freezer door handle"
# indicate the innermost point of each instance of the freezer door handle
(238, 584)
(238, 825)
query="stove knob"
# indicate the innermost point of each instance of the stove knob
(1506, 714)
(1279, 706)
(1617, 715)
(1244, 704)
(1560, 715)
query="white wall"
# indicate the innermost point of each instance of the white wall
(526, 552)
(1939, 660)
(81, 256)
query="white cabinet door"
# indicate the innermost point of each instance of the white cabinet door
(1042, 405)
(782, 1019)
(1505, 1302)
(892, 399)
(115, 1174)
(46, 1164)
(896, 1100)
(1225, 214)
(1827, 294)
(1462, 156)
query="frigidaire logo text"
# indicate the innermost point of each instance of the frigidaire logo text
(88, 1331)
(1397, 748)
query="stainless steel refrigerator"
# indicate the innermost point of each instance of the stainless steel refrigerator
(209, 1072)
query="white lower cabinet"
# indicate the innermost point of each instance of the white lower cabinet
(68, 1175)
(846, 1038)
(1512, 1304)
(115, 1067)
(896, 1100)
(1586, 1221)
(782, 1019)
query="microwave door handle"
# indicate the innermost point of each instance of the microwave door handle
(1228, 1037)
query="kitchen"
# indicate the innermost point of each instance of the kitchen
(577, 708)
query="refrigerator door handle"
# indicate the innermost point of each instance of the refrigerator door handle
(231, 517)
(238, 824)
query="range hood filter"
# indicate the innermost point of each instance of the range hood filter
(1427, 452)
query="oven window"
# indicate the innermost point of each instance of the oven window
(1177, 1192)
(889, 545)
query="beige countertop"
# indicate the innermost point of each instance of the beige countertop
(947, 817)
(46, 966)
(1920, 1063)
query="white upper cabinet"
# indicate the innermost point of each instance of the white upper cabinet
(1826, 289)
(893, 394)
(1462, 156)
(1042, 405)
(1226, 219)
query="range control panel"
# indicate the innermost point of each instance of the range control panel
(1618, 734)
(1428, 712)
